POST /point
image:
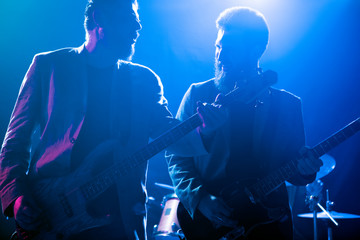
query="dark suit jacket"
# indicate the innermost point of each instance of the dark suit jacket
(52, 98)
(278, 135)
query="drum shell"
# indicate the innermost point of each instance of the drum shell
(168, 225)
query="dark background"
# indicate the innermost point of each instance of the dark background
(314, 47)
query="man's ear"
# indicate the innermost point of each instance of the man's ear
(99, 23)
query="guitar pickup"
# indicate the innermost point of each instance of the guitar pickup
(66, 205)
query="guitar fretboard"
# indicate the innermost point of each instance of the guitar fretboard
(109, 176)
(337, 138)
(269, 183)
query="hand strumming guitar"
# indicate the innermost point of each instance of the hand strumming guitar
(27, 214)
(215, 209)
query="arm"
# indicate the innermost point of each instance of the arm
(185, 178)
(307, 165)
(162, 120)
(187, 182)
(15, 152)
(184, 175)
(189, 188)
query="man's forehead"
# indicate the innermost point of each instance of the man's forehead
(228, 35)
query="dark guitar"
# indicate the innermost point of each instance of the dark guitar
(246, 198)
(64, 199)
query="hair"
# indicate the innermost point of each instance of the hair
(245, 20)
(92, 5)
(89, 11)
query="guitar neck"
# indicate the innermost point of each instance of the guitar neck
(269, 183)
(337, 138)
(104, 180)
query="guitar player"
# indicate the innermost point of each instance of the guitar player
(77, 98)
(255, 140)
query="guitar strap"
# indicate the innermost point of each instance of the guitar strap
(121, 101)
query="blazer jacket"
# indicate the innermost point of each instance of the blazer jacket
(52, 99)
(278, 135)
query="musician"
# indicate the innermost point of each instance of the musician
(77, 98)
(256, 138)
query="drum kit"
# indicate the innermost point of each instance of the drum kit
(169, 228)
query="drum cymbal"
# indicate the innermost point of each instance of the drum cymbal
(328, 165)
(335, 215)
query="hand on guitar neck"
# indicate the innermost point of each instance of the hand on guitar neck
(212, 115)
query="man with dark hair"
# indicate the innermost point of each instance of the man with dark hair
(77, 99)
(256, 139)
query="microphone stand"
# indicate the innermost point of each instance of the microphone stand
(328, 204)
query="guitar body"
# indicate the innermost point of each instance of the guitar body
(64, 203)
(66, 213)
(249, 215)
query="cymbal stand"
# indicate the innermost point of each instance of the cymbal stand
(313, 201)
(313, 198)
(329, 204)
(326, 211)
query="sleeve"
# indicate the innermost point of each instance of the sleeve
(15, 151)
(298, 141)
(162, 120)
(160, 117)
(182, 171)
